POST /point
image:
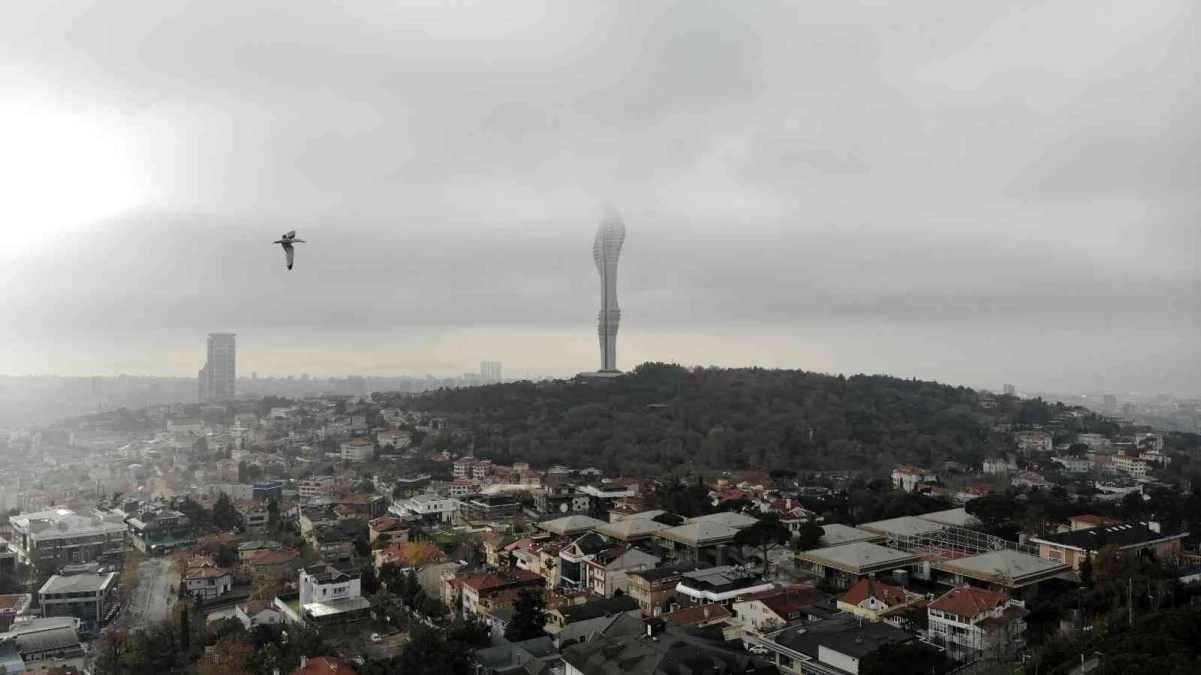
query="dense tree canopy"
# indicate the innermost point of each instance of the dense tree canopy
(662, 418)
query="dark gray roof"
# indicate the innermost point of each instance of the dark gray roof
(1095, 538)
(842, 635)
(672, 652)
(668, 571)
(44, 635)
(598, 608)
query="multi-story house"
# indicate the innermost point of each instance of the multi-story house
(331, 543)
(973, 623)
(1131, 466)
(608, 571)
(906, 477)
(719, 585)
(771, 610)
(316, 487)
(427, 509)
(389, 529)
(159, 530)
(331, 594)
(208, 582)
(255, 517)
(459, 488)
(655, 589)
(876, 601)
(1034, 441)
(489, 507)
(478, 588)
(358, 449)
(462, 467)
(481, 469)
(64, 536)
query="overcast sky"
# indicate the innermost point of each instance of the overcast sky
(977, 193)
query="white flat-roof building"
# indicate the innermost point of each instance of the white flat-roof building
(69, 537)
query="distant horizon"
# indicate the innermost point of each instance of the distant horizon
(318, 377)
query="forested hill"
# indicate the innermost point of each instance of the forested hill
(663, 417)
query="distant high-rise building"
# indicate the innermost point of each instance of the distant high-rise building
(490, 372)
(606, 249)
(1110, 404)
(1011, 390)
(219, 376)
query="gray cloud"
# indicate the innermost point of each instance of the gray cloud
(959, 170)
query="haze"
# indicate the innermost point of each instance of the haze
(971, 192)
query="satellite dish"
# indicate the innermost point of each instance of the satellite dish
(563, 507)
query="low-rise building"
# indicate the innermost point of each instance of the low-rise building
(257, 613)
(65, 537)
(389, 529)
(834, 646)
(770, 610)
(844, 565)
(358, 450)
(280, 561)
(972, 623)
(705, 542)
(1073, 464)
(718, 585)
(1072, 548)
(84, 592)
(608, 572)
(41, 644)
(207, 583)
(874, 600)
(906, 477)
(489, 507)
(316, 487)
(655, 589)
(159, 530)
(1131, 466)
(427, 509)
(477, 589)
(13, 606)
(256, 517)
(332, 594)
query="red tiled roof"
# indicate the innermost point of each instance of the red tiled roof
(385, 524)
(356, 499)
(206, 573)
(327, 665)
(9, 601)
(1095, 520)
(789, 599)
(493, 579)
(912, 470)
(692, 616)
(870, 588)
(969, 601)
(275, 557)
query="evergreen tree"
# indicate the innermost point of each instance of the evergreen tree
(529, 617)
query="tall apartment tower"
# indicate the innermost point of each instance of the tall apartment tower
(218, 378)
(1010, 390)
(490, 372)
(606, 248)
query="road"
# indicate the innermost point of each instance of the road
(148, 604)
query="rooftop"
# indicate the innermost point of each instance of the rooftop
(870, 588)
(731, 519)
(957, 517)
(968, 601)
(1005, 567)
(1095, 538)
(570, 524)
(859, 557)
(788, 600)
(80, 583)
(631, 528)
(837, 533)
(699, 534)
(57, 523)
(692, 616)
(841, 635)
(905, 526)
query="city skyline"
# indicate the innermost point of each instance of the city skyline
(934, 191)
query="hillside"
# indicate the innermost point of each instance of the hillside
(664, 417)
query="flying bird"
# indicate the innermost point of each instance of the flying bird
(287, 240)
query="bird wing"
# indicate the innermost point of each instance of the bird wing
(289, 253)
